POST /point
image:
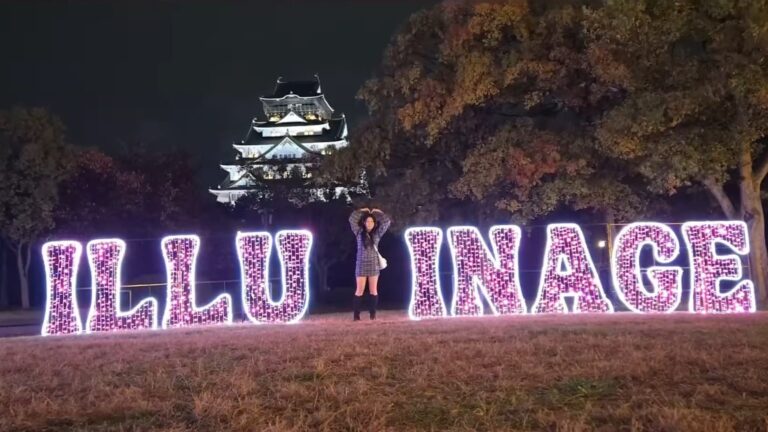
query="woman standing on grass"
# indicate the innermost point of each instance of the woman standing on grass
(368, 226)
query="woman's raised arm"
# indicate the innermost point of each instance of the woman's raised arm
(354, 220)
(383, 220)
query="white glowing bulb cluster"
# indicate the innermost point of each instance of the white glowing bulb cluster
(62, 315)
(708, 268)
(495, 275)
(181, 310)
(666, 281)
(568, 271)
(426, 296)
(105, 258)
(253, 250)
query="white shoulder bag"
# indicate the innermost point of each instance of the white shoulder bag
(382, 260)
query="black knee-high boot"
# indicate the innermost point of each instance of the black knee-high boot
(372, 306)
(356, 303)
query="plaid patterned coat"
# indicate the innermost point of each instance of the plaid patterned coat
(367, 262)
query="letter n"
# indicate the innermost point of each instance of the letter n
(495, 275)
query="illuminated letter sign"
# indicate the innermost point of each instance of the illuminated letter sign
(496, 275)
(709, 268)
(480, 275)
(181, 310)
(667, 287)
(426, 297)
(62, 315)
(105, 258)
(568, 271)
(253, 250)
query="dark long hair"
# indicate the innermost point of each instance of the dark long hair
(367, 238)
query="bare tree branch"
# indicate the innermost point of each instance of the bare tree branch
(761, 172)
(719, 194)
(29, 258)
(14, 248)
(505, 114)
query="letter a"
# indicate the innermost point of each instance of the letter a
(568, 271)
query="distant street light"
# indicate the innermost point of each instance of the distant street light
(601, 244)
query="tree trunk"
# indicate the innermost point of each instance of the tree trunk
(23, 268)
(751, 211)
(322, 274)
(758, 258)
(3, 277)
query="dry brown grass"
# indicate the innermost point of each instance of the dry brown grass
(569, 373)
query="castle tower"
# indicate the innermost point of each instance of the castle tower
(300, 128)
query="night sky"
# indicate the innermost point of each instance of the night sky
(185, 74)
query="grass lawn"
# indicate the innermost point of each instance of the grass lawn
(559, 373)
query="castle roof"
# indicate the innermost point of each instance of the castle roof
(336, 132)
(298, 88)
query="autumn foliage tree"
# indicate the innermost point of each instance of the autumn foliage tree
(695, 110)
(34, 159)
(512, 109)
(134, 194)
(99, 196)
(51, 189)
(488, 110)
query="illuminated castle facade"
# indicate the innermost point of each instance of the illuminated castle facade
(299, 130)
